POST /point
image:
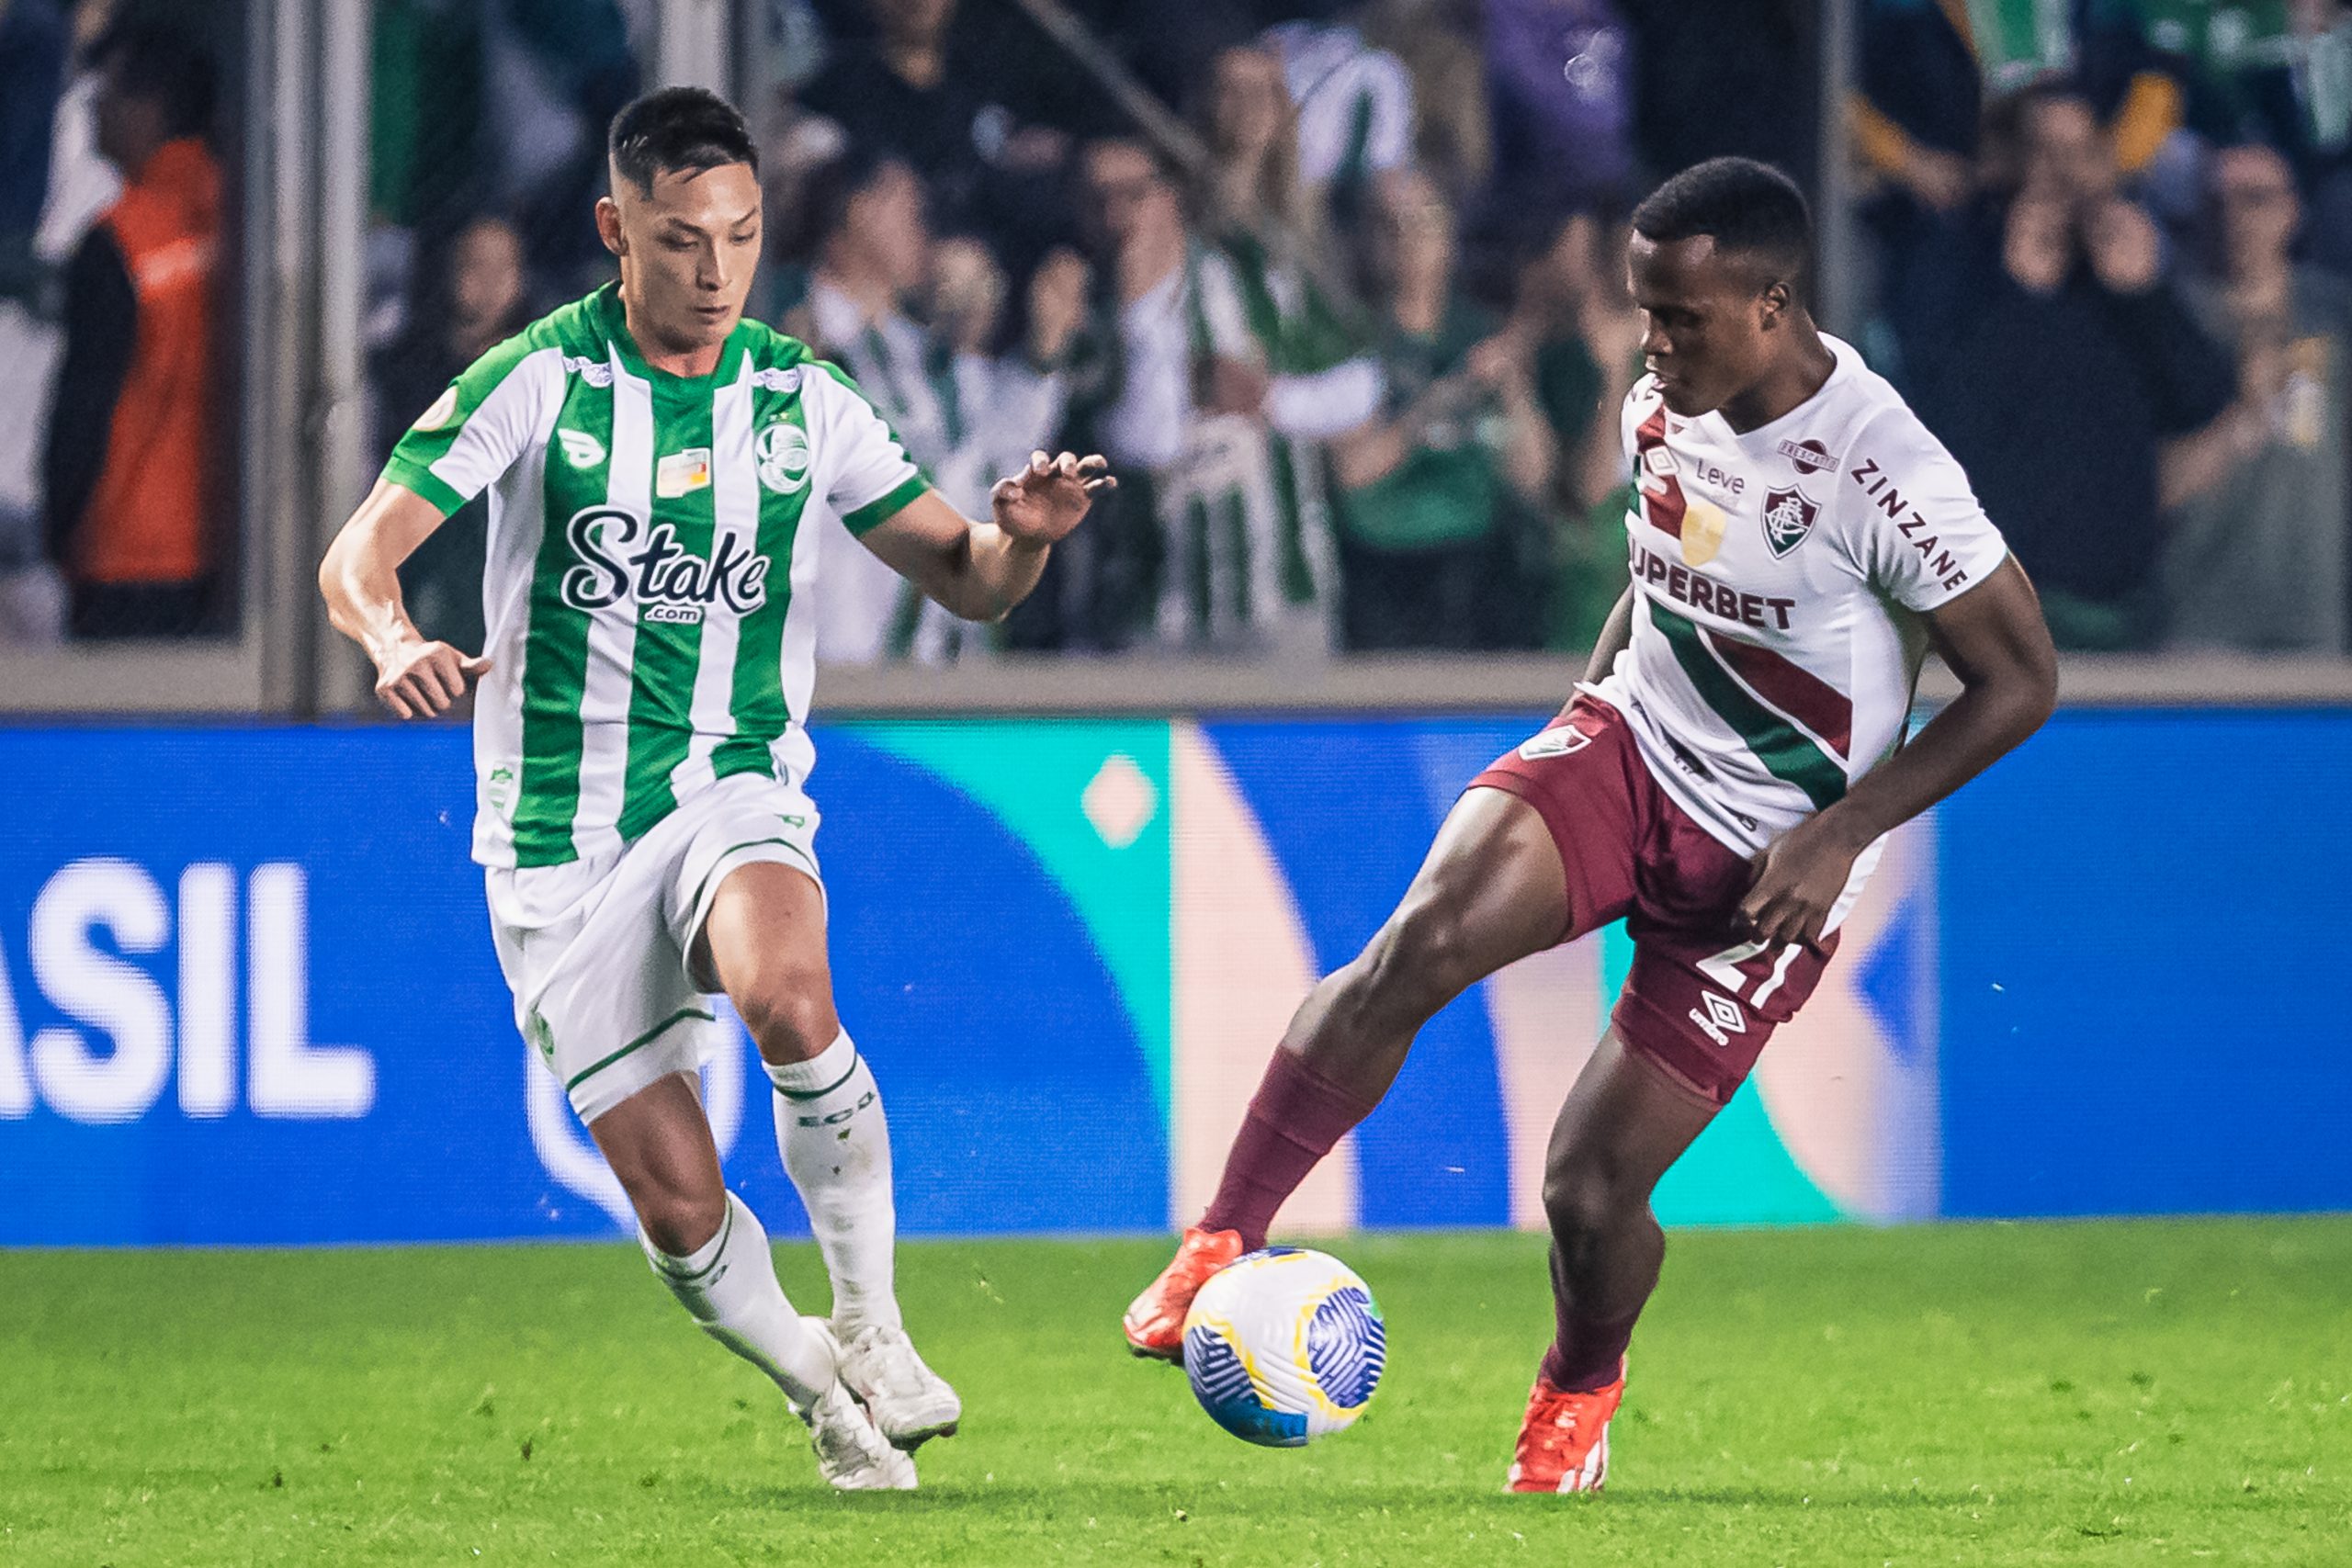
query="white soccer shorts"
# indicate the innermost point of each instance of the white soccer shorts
(596, 951)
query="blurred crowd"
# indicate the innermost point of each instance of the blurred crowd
(2111, 241)
(1338, 288)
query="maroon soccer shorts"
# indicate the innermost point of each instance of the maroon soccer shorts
(1703, 996)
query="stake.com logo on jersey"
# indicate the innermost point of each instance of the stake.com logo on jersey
(669, 582)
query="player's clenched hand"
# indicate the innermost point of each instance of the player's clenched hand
(1045, 501)
(417, 680)
(1798, 881)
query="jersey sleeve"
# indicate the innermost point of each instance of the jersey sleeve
(479, 426)
(1912, 525)
(869, 479)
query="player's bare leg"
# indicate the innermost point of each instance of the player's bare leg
(763, 943)
(1624, 1123)
(1490, 892)
(710, 1249)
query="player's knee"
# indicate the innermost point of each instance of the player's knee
(790, 1017)
(680, 1219)
(1418, 962)
(1584, 1198)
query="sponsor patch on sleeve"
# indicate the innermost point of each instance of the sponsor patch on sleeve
(444, 407)
(1563, 741)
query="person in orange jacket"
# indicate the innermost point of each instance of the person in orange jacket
(128, 471)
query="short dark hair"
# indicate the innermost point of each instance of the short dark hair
(165, 65)
(1744, 206)
(829, 190)
(678, 127)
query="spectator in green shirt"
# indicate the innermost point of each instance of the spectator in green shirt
(1425, 488)
(1572, 304)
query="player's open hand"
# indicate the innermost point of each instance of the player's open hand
(1798, 881)
(418, 679)
(1045, 501)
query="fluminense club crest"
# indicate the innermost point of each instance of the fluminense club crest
(1788, 518)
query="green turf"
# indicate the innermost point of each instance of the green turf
(2093, 1394)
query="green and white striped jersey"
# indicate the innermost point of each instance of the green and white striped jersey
(652, 556)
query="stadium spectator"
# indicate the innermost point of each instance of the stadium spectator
(491, 105)
(555, 73)
(1170, 384)
(1251, 128)
(2257, 501)
(1571, 302)
(2285, 77)
(1920, 97)
(967, 416)
(34, 44)
(1269, 224)
(1354, 104)
(130, 466)
(1438, 43)
(1925, 67)
(1428, 486)
(475, 298)
(2059, 300)
(1915, 120)
(905, 93)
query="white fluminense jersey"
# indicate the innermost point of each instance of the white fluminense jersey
(1779, 577)
(652, 552)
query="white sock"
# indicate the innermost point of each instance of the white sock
(836, 1147)
(730, 1285)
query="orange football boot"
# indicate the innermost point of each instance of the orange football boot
(1564, 1439)
(1155, 1321)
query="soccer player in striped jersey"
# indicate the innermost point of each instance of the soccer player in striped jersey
(659, 472)
(1720, 781)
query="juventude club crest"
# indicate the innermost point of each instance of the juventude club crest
(1788, 518)
(782, 451)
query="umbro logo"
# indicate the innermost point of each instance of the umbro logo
(1721, 1020)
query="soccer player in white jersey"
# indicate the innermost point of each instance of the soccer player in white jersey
(1721, 779)
(660, 471)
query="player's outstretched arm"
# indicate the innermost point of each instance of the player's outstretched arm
(360, 581)
(1995, 641)
(981, 570)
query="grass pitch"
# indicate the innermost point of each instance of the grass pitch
(2095, 1394)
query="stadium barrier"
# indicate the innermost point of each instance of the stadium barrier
(247, 994)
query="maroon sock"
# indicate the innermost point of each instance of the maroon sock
(1297, 1115)
(1589, 1352)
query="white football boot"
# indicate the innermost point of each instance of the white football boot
(851, 1453)
(910, 1403)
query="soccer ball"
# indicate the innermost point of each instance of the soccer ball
(1285, 1345)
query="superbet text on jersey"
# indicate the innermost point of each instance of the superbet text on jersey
(1780, 575)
